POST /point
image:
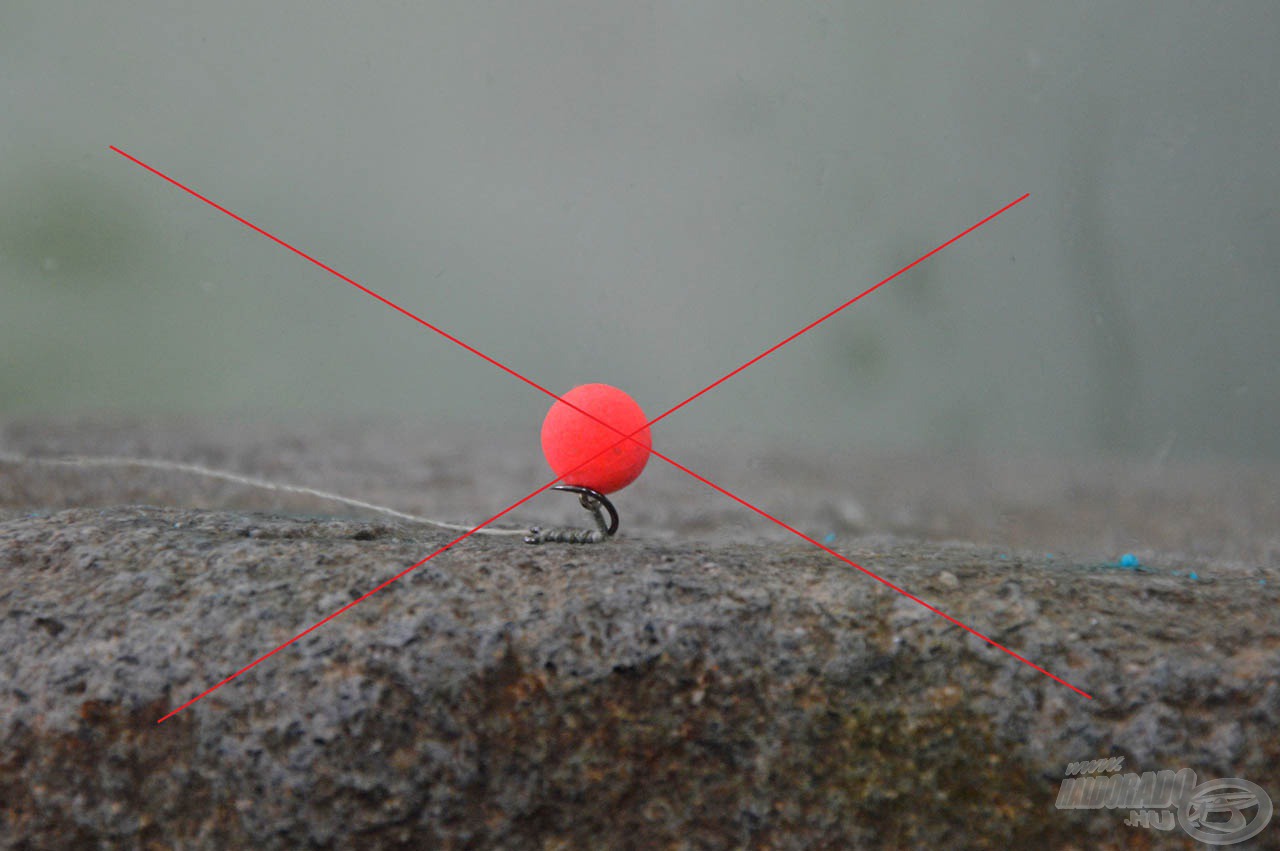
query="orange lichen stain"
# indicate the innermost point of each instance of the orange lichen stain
(526, 687)
(404, 759)
(1251, 662)
(95, 711)
(944, 697)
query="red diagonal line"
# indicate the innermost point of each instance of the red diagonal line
(508, 369)
(332, 271)
(796, 531)
(211, 689)
(373, 591)
(384, 584)
(832, 313)
(515, 505)
(624, 438)
(874, 576)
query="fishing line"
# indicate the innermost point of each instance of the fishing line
(86, 461)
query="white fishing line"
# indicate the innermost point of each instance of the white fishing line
(87, 461)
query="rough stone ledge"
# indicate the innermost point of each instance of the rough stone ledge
(639, 694)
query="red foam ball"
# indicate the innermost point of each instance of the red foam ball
(570, 438)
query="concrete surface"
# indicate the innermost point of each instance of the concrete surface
(706, 680)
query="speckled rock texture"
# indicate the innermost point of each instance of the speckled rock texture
(700, 682)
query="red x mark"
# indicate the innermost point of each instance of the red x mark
(623, 437)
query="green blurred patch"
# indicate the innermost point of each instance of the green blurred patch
(68, 229)
(865, 352)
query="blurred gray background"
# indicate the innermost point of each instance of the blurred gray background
(649, 194)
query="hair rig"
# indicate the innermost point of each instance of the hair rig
(582, 451)
(591, 500)
(588, 456)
